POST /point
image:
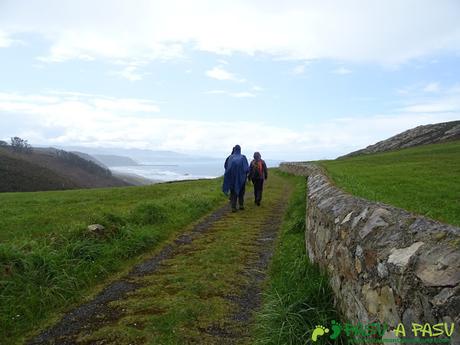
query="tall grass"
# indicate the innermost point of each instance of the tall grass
(298, 296)
(50, 261)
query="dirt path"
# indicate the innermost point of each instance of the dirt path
(201, 288)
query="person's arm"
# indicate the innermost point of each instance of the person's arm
(265, 170)
(245, 165)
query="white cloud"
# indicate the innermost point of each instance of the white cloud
(447, 101)
(342, 71)
(432, 87)
(389, 32)
(66, 118)
(432, 107)
(5, 41)
(53, 101)
(241, 94)
(130, 73)
(220, 73)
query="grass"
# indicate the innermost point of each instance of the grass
(187, 299)
(48, 260)
(424, 179)
(298, 296)
(50, 263)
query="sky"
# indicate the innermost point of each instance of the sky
(295, 80)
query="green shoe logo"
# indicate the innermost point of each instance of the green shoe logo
(319, 331)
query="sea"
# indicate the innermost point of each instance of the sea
(180, 170)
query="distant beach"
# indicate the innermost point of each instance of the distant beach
(176, 171)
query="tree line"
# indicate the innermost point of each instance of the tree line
(18, 144)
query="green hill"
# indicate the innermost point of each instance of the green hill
(423, 179)
(51, 169)
(19, 175)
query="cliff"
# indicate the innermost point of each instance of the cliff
(421, 135)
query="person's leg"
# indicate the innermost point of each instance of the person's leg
(261, 189)
(233, 197)
(241, 196)
(258, 190)
(254, 183)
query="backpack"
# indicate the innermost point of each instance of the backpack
(257, 169)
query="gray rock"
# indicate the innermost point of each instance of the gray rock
(359, 217)
(409, 317)
(375, 221)
(431, 274)
(347, 218)
(442, 297)
(388, 311)
(382, 270)
(96, 229)
(401, 257)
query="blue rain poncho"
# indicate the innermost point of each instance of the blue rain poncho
(236, 172)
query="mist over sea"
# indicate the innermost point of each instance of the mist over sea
(180, 170)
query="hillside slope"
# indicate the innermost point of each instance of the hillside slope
(421, 179)
(18, 175)
(421, 135)
(50, 169)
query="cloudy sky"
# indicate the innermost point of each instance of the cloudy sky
(294, 79)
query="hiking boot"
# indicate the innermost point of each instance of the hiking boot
(241, 208)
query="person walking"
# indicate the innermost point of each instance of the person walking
(258, 173)
(235, 176)
(226, 160)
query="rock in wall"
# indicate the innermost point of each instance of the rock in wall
(384, 263)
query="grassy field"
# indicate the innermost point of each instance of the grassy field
(48, 261)
(424, 179)
(190, 299)
(298, 296)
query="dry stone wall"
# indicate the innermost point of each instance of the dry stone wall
(384, 263)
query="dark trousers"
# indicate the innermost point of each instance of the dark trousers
(258, 188)
(240, 197)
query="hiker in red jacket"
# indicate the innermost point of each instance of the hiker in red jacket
(258, 173)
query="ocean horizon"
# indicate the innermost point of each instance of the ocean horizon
(180, 170)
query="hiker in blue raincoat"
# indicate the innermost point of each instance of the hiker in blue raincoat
(235, 176)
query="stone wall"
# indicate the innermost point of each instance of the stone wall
(384, 263)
